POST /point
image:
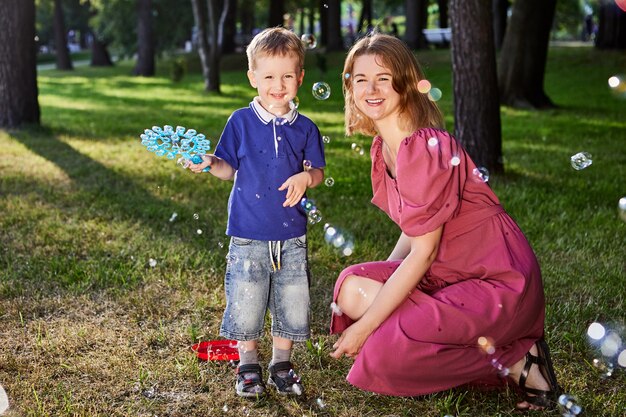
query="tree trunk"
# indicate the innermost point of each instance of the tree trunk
(500, 16)
(99, 53)
(277, 10)
(611, 27)
(323, 11)
(443, 13)
(18, 75)
(246, 18)
(230, 29)
(335, 41)
(216, 38)
(200, 19)
(312, 16)
(475, 82)
(63, 61)
(416, 18)
(365, 18)
(524, 54)
(145, 40)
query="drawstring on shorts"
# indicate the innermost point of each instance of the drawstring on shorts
(274, 249)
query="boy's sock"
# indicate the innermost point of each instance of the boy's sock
(280, 355)
(248, 356)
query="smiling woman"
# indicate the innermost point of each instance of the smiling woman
(438, 295)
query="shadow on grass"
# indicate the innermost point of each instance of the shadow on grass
(100, 193)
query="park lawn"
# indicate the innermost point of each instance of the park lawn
(89, 327)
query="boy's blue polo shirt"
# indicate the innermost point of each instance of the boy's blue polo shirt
(265, 150)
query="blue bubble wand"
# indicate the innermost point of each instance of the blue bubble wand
(168, 142)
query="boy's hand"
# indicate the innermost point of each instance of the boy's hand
(295, 185)
(207, 161)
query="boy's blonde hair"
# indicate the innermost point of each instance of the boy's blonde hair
(275, 41)
(416, 110)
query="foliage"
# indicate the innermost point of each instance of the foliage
(569, 18)
(90, 328)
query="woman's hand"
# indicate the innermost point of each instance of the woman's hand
(351, 341)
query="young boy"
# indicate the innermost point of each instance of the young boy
(264, 148)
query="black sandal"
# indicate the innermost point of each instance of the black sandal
(250, 381)
(287, 383)
(540, 398)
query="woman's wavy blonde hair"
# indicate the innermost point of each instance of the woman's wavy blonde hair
(416, 110)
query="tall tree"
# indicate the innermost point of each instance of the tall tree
(100, 56)
(210, 21)
(18, 66)
(145, 40)
(443, 13)
(230, 29)
(611, 26)
(416, 18)
(63, 61)
(334, 41)
(365, 18)
(277, 11)
(475, 82)
(246, 18)
(500, 16)
(525, 53)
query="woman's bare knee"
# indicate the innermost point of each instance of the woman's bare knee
(356, 295)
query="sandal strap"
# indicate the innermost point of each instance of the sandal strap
(541, 398)
(282, 383)
(280, 366)
(530, 360)
(250, 368)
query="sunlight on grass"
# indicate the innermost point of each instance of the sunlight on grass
(92, 327)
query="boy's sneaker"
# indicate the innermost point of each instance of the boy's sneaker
(284, 379)
(250, 381)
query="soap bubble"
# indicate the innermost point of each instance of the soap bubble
(173, 217)
(486, 344)
(433, 141)
(569, 406)
(581, 160)
(455, 161)
(340, 240)
(321, 90)
(307, 204)
(357, 148)
(621, 359)
(152, 262)
(621, 205)
(329, 182)
(320, 403)
(309, 40)
(335, 309)
(611, 344)
(314, 216)
(326, 139)
(481, 173)
(434, 94)
(199, 231)
(617, 84)
(196, 216)
(306, 164)
(596, 331)
(423, 86)
(4, 400)
(294, 103)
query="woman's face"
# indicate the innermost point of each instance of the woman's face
(373, 91)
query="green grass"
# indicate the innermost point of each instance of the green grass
(89, 328)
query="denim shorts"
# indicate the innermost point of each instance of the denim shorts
(264, 274)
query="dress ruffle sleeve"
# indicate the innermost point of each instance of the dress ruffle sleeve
(430, 175)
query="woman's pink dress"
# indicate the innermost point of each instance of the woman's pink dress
(485, 281)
